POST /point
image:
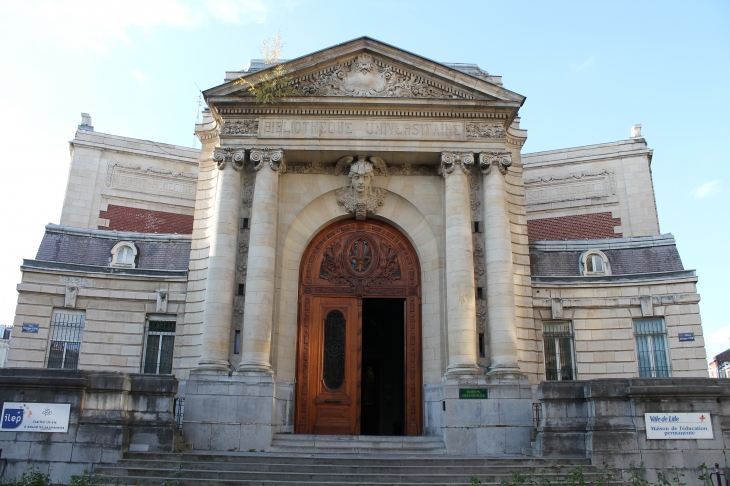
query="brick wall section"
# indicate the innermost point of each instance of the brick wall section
(623, 262)
(581, 226)
(97, 251)
(122, 218)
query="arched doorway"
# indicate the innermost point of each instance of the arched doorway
(359, 333)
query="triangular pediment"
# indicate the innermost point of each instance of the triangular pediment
(366, 68)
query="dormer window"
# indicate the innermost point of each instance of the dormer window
(594, 262)
(124, 254)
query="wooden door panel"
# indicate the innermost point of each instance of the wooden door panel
(347, 261)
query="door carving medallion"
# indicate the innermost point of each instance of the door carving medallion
(348, 261)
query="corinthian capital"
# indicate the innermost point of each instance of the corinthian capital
(449, 161)
(501, 160)
(274, 157)
(223, 155)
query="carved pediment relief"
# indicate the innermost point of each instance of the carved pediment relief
(372, 77)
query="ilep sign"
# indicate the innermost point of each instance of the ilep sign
(35, 417)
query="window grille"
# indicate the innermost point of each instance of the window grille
(159, 347)
(651, 348)
(67, 329)
(558, 339)
(723, 370)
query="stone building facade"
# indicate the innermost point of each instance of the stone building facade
(356, 258)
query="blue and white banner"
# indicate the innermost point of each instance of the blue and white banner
(35, 417)
(678, 426)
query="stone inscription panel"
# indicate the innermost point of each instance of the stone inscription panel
(360, 129)
(570, 187)
(155, 185)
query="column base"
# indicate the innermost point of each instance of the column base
(505, 372)
(255, 366)
(213, 365)
(457, 370)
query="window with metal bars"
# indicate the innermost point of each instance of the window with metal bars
(67, 330)
(159, 345)
(651, 348)
(558, 339)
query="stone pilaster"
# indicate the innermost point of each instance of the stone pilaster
(460, 291)
(219, 290)
(501, 315)
(259, 307)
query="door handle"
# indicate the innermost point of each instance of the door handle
(333, 401)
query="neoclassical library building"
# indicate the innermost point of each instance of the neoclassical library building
(371, 256)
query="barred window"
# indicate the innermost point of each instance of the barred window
(558, 340)
(651, 348)
(159, 344)
(67, 329)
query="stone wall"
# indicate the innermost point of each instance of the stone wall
(111, 413)
(604, 419)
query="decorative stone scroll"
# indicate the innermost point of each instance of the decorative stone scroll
(485, 130)
(274, 157)
(449, 161)
(112, 166)
(501, 160)
(366, 76)
(223, 155)
(241, 127)
(361, 197)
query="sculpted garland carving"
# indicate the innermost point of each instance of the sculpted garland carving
(574, 175)
(485, 130)
(112, 165)
(501, 160)
(366, 76)
(223, 155)
(240, 127)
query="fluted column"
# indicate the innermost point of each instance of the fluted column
(501, 315)
(258, 311)
(220, 282)
(460, 292)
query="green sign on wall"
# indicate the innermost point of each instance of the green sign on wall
(473, 393)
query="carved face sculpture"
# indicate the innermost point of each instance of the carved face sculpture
(362, 63)
(361, 176)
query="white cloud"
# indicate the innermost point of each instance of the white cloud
(584, 65)
(707, 189)
(141, 77)
(99, 25)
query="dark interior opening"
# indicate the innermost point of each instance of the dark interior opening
(383, 367)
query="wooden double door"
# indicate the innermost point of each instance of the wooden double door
(359, 333)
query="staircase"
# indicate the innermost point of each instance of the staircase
(356, 444)
(292, 469)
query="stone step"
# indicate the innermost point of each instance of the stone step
(357, 444)
(356, 438)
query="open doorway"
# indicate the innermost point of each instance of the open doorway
(383, 367)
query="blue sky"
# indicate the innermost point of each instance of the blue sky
(589, 70)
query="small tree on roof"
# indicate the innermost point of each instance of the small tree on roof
(273, 84)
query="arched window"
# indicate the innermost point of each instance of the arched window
(124, 254)
(594, 262)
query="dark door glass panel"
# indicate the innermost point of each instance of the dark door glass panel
(334, 350)
(150, 359)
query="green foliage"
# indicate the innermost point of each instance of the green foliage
(275, 83)
(474, 481)
(85, 479)
(31, 477)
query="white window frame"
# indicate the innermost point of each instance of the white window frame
(556, 338)
(654, 369)
(116, 250)
(157, 318)
(594, 254)
(53, 332)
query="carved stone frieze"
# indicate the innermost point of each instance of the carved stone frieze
(361, 197)
(501, 160)
(586, 185)
(476, 196)
(241, 127)
(223, 155)
(113, 165)
(572, 175)
(409, 169)
(267, 155)
(449, 161)
(366, 76)
(485, 130)
(312, 167)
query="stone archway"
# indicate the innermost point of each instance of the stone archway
(347, 263)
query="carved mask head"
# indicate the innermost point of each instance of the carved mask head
(362, 63)
(361, 175)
